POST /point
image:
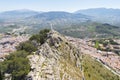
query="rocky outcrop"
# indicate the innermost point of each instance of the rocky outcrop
(56, 59)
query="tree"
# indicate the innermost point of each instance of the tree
(1, 76)
(96, 44)
(27, 46)
(17, 65)
(19, 68)
(41, 37)
(35, 37)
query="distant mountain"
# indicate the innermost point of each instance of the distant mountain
(83, 23)
(107, 15)
(57, 18)
(100, 11)
(104, 15)
(59, 14)
(50, 16)
(17, 14)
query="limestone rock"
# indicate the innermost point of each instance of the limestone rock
(56, 59)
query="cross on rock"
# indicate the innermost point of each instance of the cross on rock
(51, 25)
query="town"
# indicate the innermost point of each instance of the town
(109, 59)
(8, 43)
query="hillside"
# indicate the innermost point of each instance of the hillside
(82, 24)
(104, 15)
(94, 70)
(78, 29)
(91, 30)
(72, 24)
(17, 14)
(55, 58)
(56, 18)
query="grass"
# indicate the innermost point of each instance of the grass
(93, 70)
(70, 69)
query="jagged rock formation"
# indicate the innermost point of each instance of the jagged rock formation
(56, 59)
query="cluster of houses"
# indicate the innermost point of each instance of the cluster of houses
(110, 59)
(8, 43)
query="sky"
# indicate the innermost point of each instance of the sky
(57, 5)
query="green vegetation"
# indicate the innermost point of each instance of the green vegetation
(16, 64)
(27, 46)
(105, 42)
(9, 28)
(93, 70)
(96, 44)
(113, 42)
(41, 37)
(91, 30)
(75, 29)
(107, 45)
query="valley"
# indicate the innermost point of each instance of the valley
(55, 53)
(109, 59)
(76, 24)
(60, 45)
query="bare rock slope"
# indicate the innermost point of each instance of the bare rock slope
(56, 59)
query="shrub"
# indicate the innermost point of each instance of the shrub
(27, 46)
(41, 37)
(96, 44)
(16, 64)
(35, 37)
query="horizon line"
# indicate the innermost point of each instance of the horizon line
(55, 10)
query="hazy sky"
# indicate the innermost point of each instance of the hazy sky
(57, 5)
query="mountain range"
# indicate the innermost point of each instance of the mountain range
(49, 55)
(17, 14)
(104, 15)
(83, 22)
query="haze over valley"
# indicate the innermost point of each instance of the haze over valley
(65, 22)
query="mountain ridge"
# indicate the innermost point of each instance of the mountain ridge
(104, 15)
(17, 14)
(55, 59)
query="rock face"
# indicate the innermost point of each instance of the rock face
(56, 59)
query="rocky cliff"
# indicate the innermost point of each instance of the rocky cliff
(56, 59)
